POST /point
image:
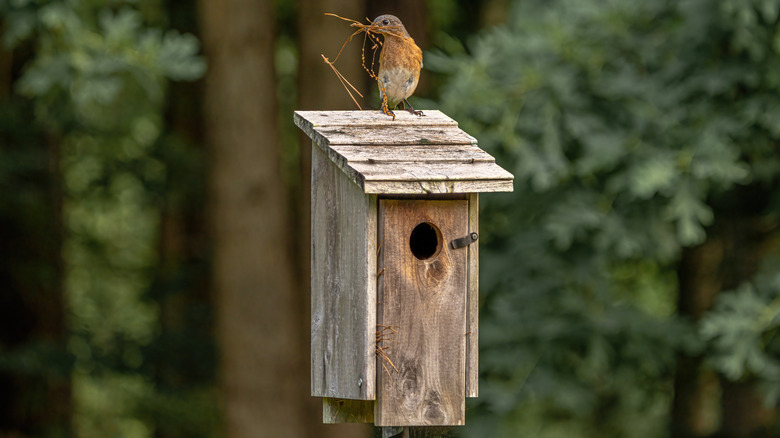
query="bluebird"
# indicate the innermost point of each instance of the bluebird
(400, 63)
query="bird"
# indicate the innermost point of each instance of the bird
(400, 62)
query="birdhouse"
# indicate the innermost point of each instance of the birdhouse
(394, 265)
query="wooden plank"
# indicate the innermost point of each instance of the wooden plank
(424, 301)
(340, 410)
(378, 154)
(434, 186)
(413, 156)
(390, 135)
(313, 119)
(402, 178)
(422, 178)
(431, 171)
(472, 304)
(343, 296)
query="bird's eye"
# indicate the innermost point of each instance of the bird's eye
(385, 22)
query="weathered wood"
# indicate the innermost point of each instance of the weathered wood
(413, 155)
(340, 410)
(424, 301)
(463, 154)
(452, 155)
(434, 171)
(440, 176)
(432, 178)
(435, 187)
(315, 119)
(472, 304)
(393, 135)
(343, 283)
(427, 308)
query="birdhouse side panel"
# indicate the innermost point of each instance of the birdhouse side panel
(343, 284)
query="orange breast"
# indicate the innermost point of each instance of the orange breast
(399, 68)
(400, 52)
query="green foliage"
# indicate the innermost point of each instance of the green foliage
(742, 333)
(626, 125)
(97, 81)
(90, 58)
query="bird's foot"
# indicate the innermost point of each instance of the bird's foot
(389, 112)
(411, 110)
(385, 108)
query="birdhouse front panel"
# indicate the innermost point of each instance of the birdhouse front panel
(421, 317)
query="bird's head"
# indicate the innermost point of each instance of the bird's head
(389, 24)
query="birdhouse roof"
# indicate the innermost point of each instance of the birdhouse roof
(408, 155)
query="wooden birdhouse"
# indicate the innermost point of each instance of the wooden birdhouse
(394, 286)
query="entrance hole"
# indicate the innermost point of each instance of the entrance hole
(425, 241)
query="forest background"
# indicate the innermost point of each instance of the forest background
(154, 212)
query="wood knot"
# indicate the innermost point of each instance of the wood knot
(410, 383)
(432, 273)
(432, 407)
(436, 271)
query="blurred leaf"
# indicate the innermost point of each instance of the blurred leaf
(178, 57)
(690, 212)
(741, 331)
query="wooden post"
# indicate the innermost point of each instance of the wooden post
(395, 263)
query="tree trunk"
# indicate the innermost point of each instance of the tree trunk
(744, 412)
(695, 405)
(35, 367)
(318, 34)
(747, 242)
(181, 284)
(262, 374)
(731, 255)
(6, 62)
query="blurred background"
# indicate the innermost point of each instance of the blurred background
(154, 212)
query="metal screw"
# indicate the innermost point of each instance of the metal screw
(360, 382)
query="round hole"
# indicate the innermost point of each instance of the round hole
(425, 241)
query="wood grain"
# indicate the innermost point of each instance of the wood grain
(431, 171)
(413, 155)
(472, 304)
(425, 300)
(398, 135)
(463, 154)
(435, 187)
(315, 119)
(343, 284)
